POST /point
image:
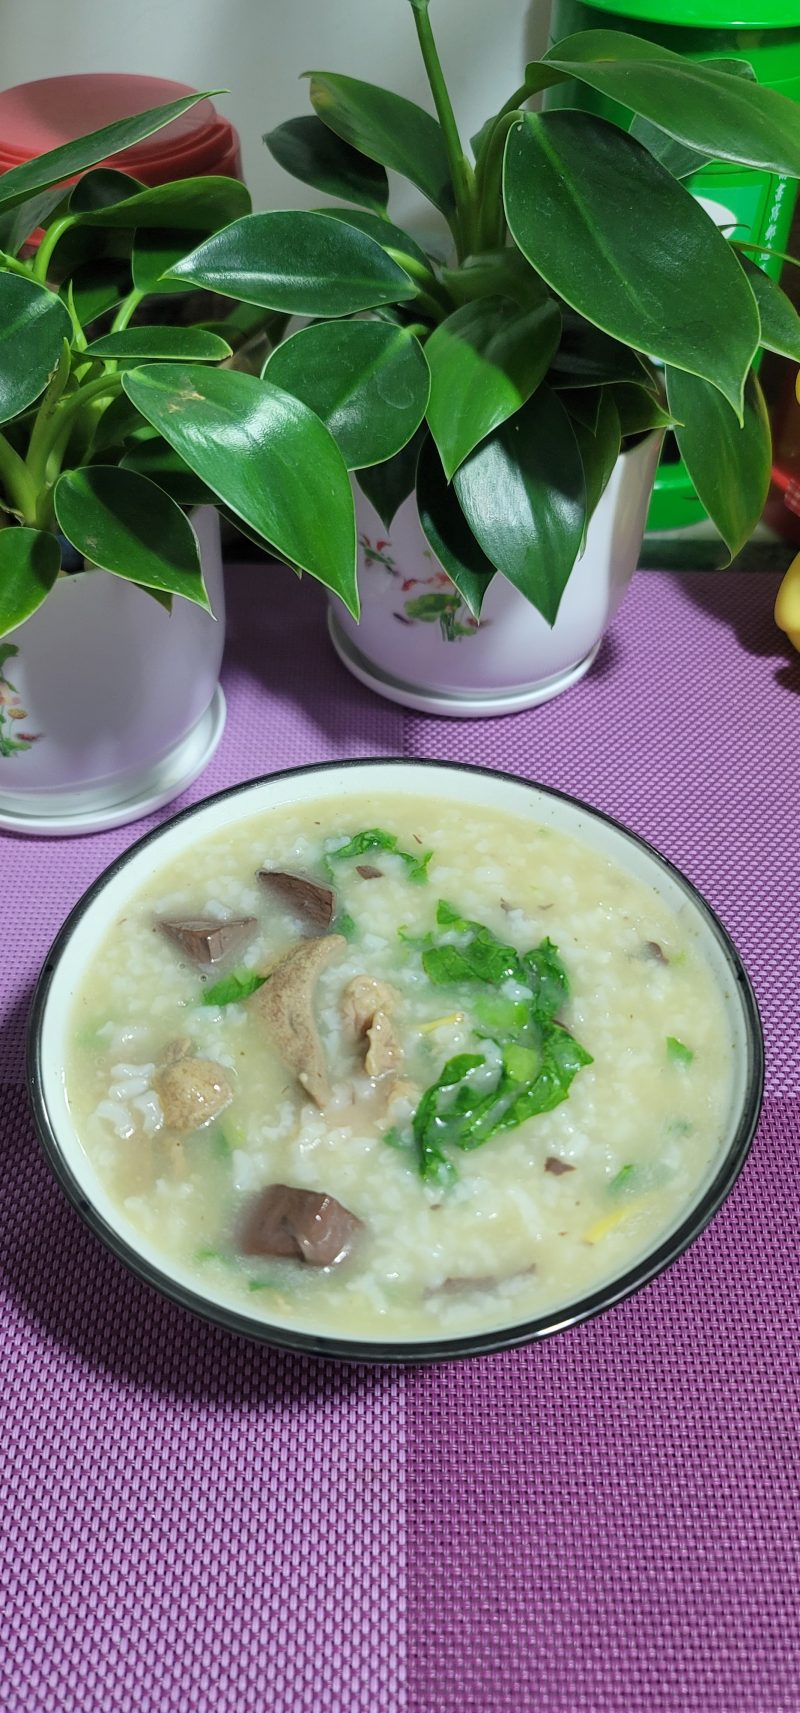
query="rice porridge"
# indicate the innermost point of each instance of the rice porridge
(388, 1067)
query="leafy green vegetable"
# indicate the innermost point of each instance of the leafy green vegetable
(239, 985)
(622, 1179)
(539, 1057)
(677, 1053)
(375, 839)
(222, 1147)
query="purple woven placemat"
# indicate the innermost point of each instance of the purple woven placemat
(603, 1524)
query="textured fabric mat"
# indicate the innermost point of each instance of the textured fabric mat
(603, 1524)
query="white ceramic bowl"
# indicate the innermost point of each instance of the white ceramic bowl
(85, 928)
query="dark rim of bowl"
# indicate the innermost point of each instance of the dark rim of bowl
(433, 1350)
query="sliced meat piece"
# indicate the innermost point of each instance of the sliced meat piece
(286, 1005)
(310, 900)
(556, 1166)
(191, 1092)
(298, 1224)
(205, 940)
(368, 1006)
(653, 953)
(368, 872)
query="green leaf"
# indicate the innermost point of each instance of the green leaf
(485, 360)
(30, 561)
(448, 533)
(71, 158)
(377, 839)
(599, 449)
(587, 357)
(122, 522)
(313, 153)
(154, 458)
(181, 344)
(303, 263)
(366, 380)
(266, 455)
(19, 224)
(391, 238)
(627, 246)
(639, 410)
(98, 286)
(387, 485)
(238, 985)
(387, 128)
(780, 322)
(729, 465)
(117, 423)
(522, 493)
(676, 157)
(33, 326)
(103, 188)
(677, 1053)
(722, 116)
(189, 204)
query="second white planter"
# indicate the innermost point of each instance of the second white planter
(109, 706)
(417, 645)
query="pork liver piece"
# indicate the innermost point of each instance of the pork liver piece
(298, 1224)
(205, 940)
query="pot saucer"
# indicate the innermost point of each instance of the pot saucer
(156, 786)
(455, 705)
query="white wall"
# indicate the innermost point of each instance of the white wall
(257, 48)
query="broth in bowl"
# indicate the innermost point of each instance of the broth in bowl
(403, 1064)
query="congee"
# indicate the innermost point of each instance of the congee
(393, 1068)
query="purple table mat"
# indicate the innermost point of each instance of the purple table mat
(602, 1524)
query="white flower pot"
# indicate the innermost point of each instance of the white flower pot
(416, 644)
(109, 705)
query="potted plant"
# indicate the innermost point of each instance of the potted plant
(111, 595)
(500, 402)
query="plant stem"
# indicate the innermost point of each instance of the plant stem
(17, 481)
(461, 176)
(126, 311)
(58, 428)
(43, 257)
(491, 220)
(10, 265)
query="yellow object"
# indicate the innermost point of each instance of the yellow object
(609, 1222)
(787, 605)
(439, 1022)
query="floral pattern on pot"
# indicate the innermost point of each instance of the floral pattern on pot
(440, 602)
(11, 710)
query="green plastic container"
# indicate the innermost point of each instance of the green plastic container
(761, 205)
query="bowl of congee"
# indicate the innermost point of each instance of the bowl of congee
(395, 1061)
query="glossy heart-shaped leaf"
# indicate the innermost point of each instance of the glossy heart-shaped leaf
(485, 360)
(98, 286)
(387, 128)
(729, 465)
(622, 242)
(188, 205)
(30, 560)
(368, 382)
(71, 158)
(522, 493)
(723, 116)
(390, 237)
(122, 522)
(387, 485)
(300, 262)
(154, 458)
(313, 153)
(178, 344)
(639, 410)
(780, 322)
(447, 531)
(676, 157)
(33, 326)
(266, 455)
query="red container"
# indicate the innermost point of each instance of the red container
(35, 117)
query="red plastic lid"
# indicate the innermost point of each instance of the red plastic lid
(35, 117)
